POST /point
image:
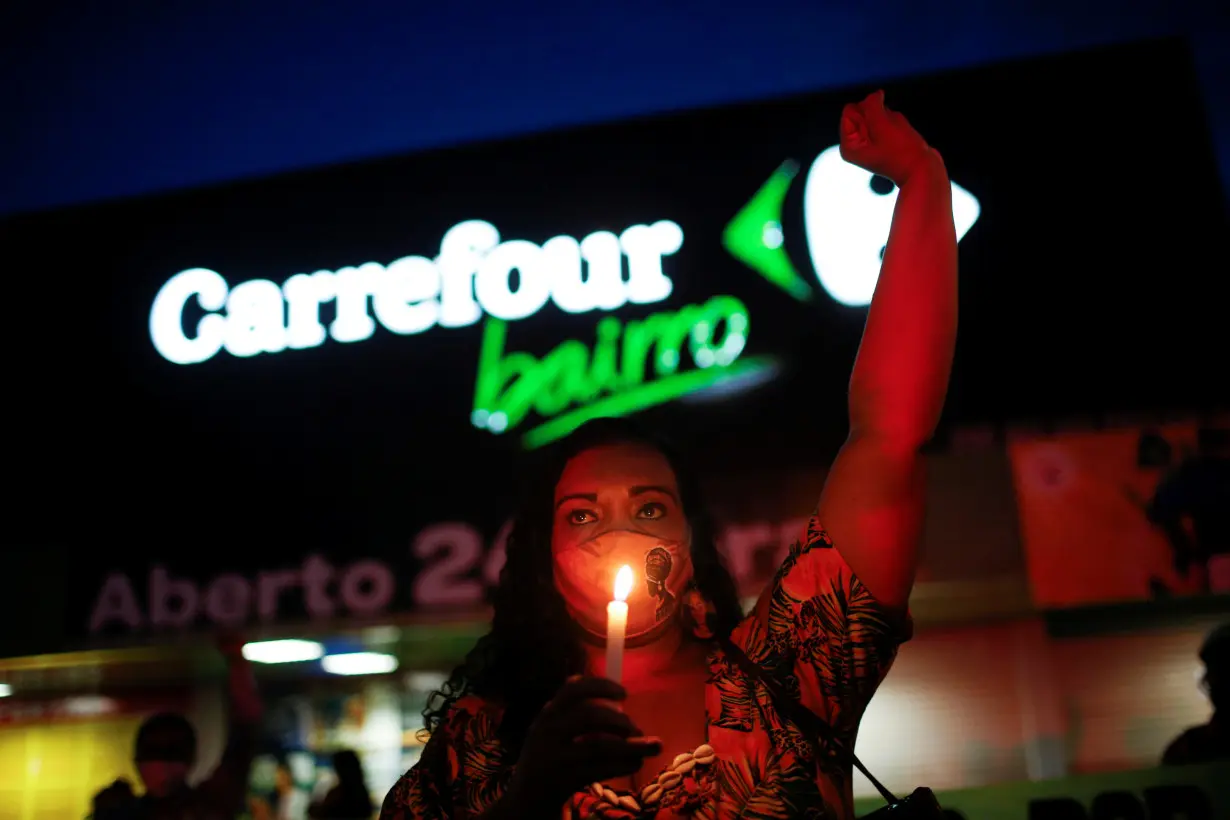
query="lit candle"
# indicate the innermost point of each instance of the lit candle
(617, 624)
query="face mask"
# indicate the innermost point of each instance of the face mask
(585, 577)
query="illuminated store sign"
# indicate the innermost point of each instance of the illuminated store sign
(625, 366)
(628, 365)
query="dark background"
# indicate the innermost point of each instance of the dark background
(1085, 289)
(115, 99)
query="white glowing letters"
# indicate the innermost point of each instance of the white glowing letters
(472, 276)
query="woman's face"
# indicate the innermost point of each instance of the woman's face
(619, 505)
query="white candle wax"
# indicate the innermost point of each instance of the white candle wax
(617, 625)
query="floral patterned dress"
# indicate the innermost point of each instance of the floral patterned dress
(816, 629)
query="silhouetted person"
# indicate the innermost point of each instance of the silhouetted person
(1191, 505)
(1210, 742)
(349, 799)
(165, 752)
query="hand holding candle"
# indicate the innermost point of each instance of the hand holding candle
(617, 624)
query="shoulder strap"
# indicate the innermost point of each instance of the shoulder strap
(812, 724)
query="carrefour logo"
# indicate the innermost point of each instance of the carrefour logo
(846, 215)
(480, 277)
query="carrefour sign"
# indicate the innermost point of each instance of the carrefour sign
(480, 276)
(471, 277)
(626, 366)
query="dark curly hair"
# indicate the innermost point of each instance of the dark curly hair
(534, 645)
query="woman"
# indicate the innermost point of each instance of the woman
(525, 729)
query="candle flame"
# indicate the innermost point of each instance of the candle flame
(623, 583)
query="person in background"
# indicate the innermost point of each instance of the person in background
(349, 799)
(165, 752)
(1210, 742)
(287, 802)
(290, 801)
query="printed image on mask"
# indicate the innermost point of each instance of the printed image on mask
(585, 577)
(657, 571)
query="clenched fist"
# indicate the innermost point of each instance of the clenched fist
(880, 140)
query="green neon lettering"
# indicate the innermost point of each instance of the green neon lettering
(493, 392)
(562, 378)
(604, 376)
(630, 367)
